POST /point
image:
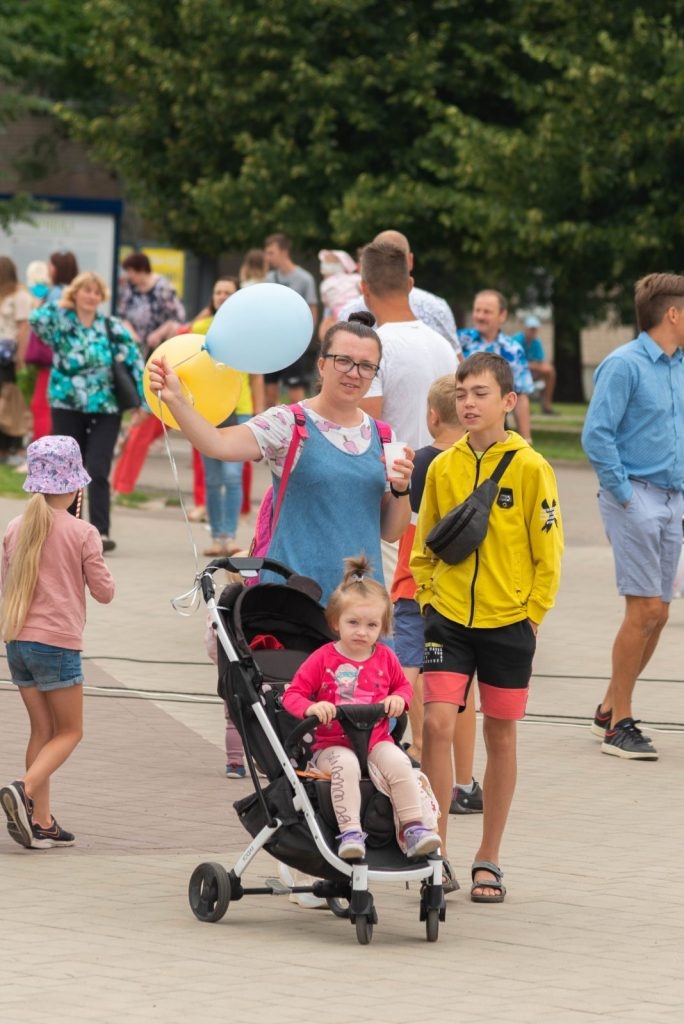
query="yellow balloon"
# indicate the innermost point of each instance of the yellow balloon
(213, 389)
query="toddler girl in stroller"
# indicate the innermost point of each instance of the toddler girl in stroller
(265, 633)
(358, 670)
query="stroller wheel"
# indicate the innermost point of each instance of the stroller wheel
(432, 924)
(364, 928)
(209, 892)
(340, 908)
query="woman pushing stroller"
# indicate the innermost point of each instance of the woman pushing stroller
(356, 669)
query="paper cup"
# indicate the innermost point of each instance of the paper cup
(394, 450)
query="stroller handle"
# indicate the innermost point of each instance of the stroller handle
(239, 565)
(351, 716)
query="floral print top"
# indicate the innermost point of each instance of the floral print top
(148, 310)
(81, 375)
(273, 432)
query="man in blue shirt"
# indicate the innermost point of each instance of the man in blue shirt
(490, 310)
(540, 368)
(634, 438)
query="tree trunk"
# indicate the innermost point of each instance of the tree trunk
(567, 349)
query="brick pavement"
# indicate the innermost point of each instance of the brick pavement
(103, 932)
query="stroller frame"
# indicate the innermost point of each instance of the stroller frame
(212, 887)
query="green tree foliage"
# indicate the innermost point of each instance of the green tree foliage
(516, 142)
(42, 58)
(229, 120)
(587, 184)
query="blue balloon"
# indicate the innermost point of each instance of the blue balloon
(260, 329)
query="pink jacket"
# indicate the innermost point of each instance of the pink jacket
(328, 675)
(71, 560)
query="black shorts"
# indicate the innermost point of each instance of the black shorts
(501, 657)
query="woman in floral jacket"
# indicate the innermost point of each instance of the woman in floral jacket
(80, 391)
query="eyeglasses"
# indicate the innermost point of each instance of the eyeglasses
(345, 364)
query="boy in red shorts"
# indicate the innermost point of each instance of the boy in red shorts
(482, 614)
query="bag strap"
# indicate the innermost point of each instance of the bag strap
(110, 339)
(502, 466)
(384, 431)
(299, 433)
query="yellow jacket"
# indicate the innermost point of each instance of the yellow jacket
(515, 572)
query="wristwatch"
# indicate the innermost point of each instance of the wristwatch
(400, 494)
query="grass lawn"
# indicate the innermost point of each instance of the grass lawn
(558, 437)
(11, 483)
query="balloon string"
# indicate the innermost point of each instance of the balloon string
(188, 603)
(186, 360)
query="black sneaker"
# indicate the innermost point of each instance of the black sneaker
(627, 740)
(19, 809)
(601, 722)
(55, 835)
(466, 803)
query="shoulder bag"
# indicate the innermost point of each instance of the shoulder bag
(463, 529)
(123, 382)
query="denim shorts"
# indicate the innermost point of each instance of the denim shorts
(48, 668)
(646, 538)
(409, 638)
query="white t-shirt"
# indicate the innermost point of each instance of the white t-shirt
(413, 356)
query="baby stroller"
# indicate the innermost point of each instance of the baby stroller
(264, 634)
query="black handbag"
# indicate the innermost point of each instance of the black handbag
(463, 529)
(123, 382)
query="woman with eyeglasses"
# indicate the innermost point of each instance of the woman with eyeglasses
(337, 500)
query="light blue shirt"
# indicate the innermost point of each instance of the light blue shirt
(503, 345)
(635, 422)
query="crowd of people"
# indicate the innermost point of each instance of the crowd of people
(391, 366)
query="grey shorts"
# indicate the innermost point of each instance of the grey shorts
(646, 538)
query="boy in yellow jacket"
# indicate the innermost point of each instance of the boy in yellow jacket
(482, 614)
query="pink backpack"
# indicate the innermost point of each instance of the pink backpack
(267, 516)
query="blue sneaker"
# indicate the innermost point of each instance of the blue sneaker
(235, 771)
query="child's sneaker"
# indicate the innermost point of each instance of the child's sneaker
(466, 803)
(352, 845)
(235, 771)
(420, 841)
(19, 809)
(55, 835)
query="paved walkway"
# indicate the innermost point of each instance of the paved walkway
(592, 927)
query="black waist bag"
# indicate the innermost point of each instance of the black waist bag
(463, 529)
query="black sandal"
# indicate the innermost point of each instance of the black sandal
(487, 883)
